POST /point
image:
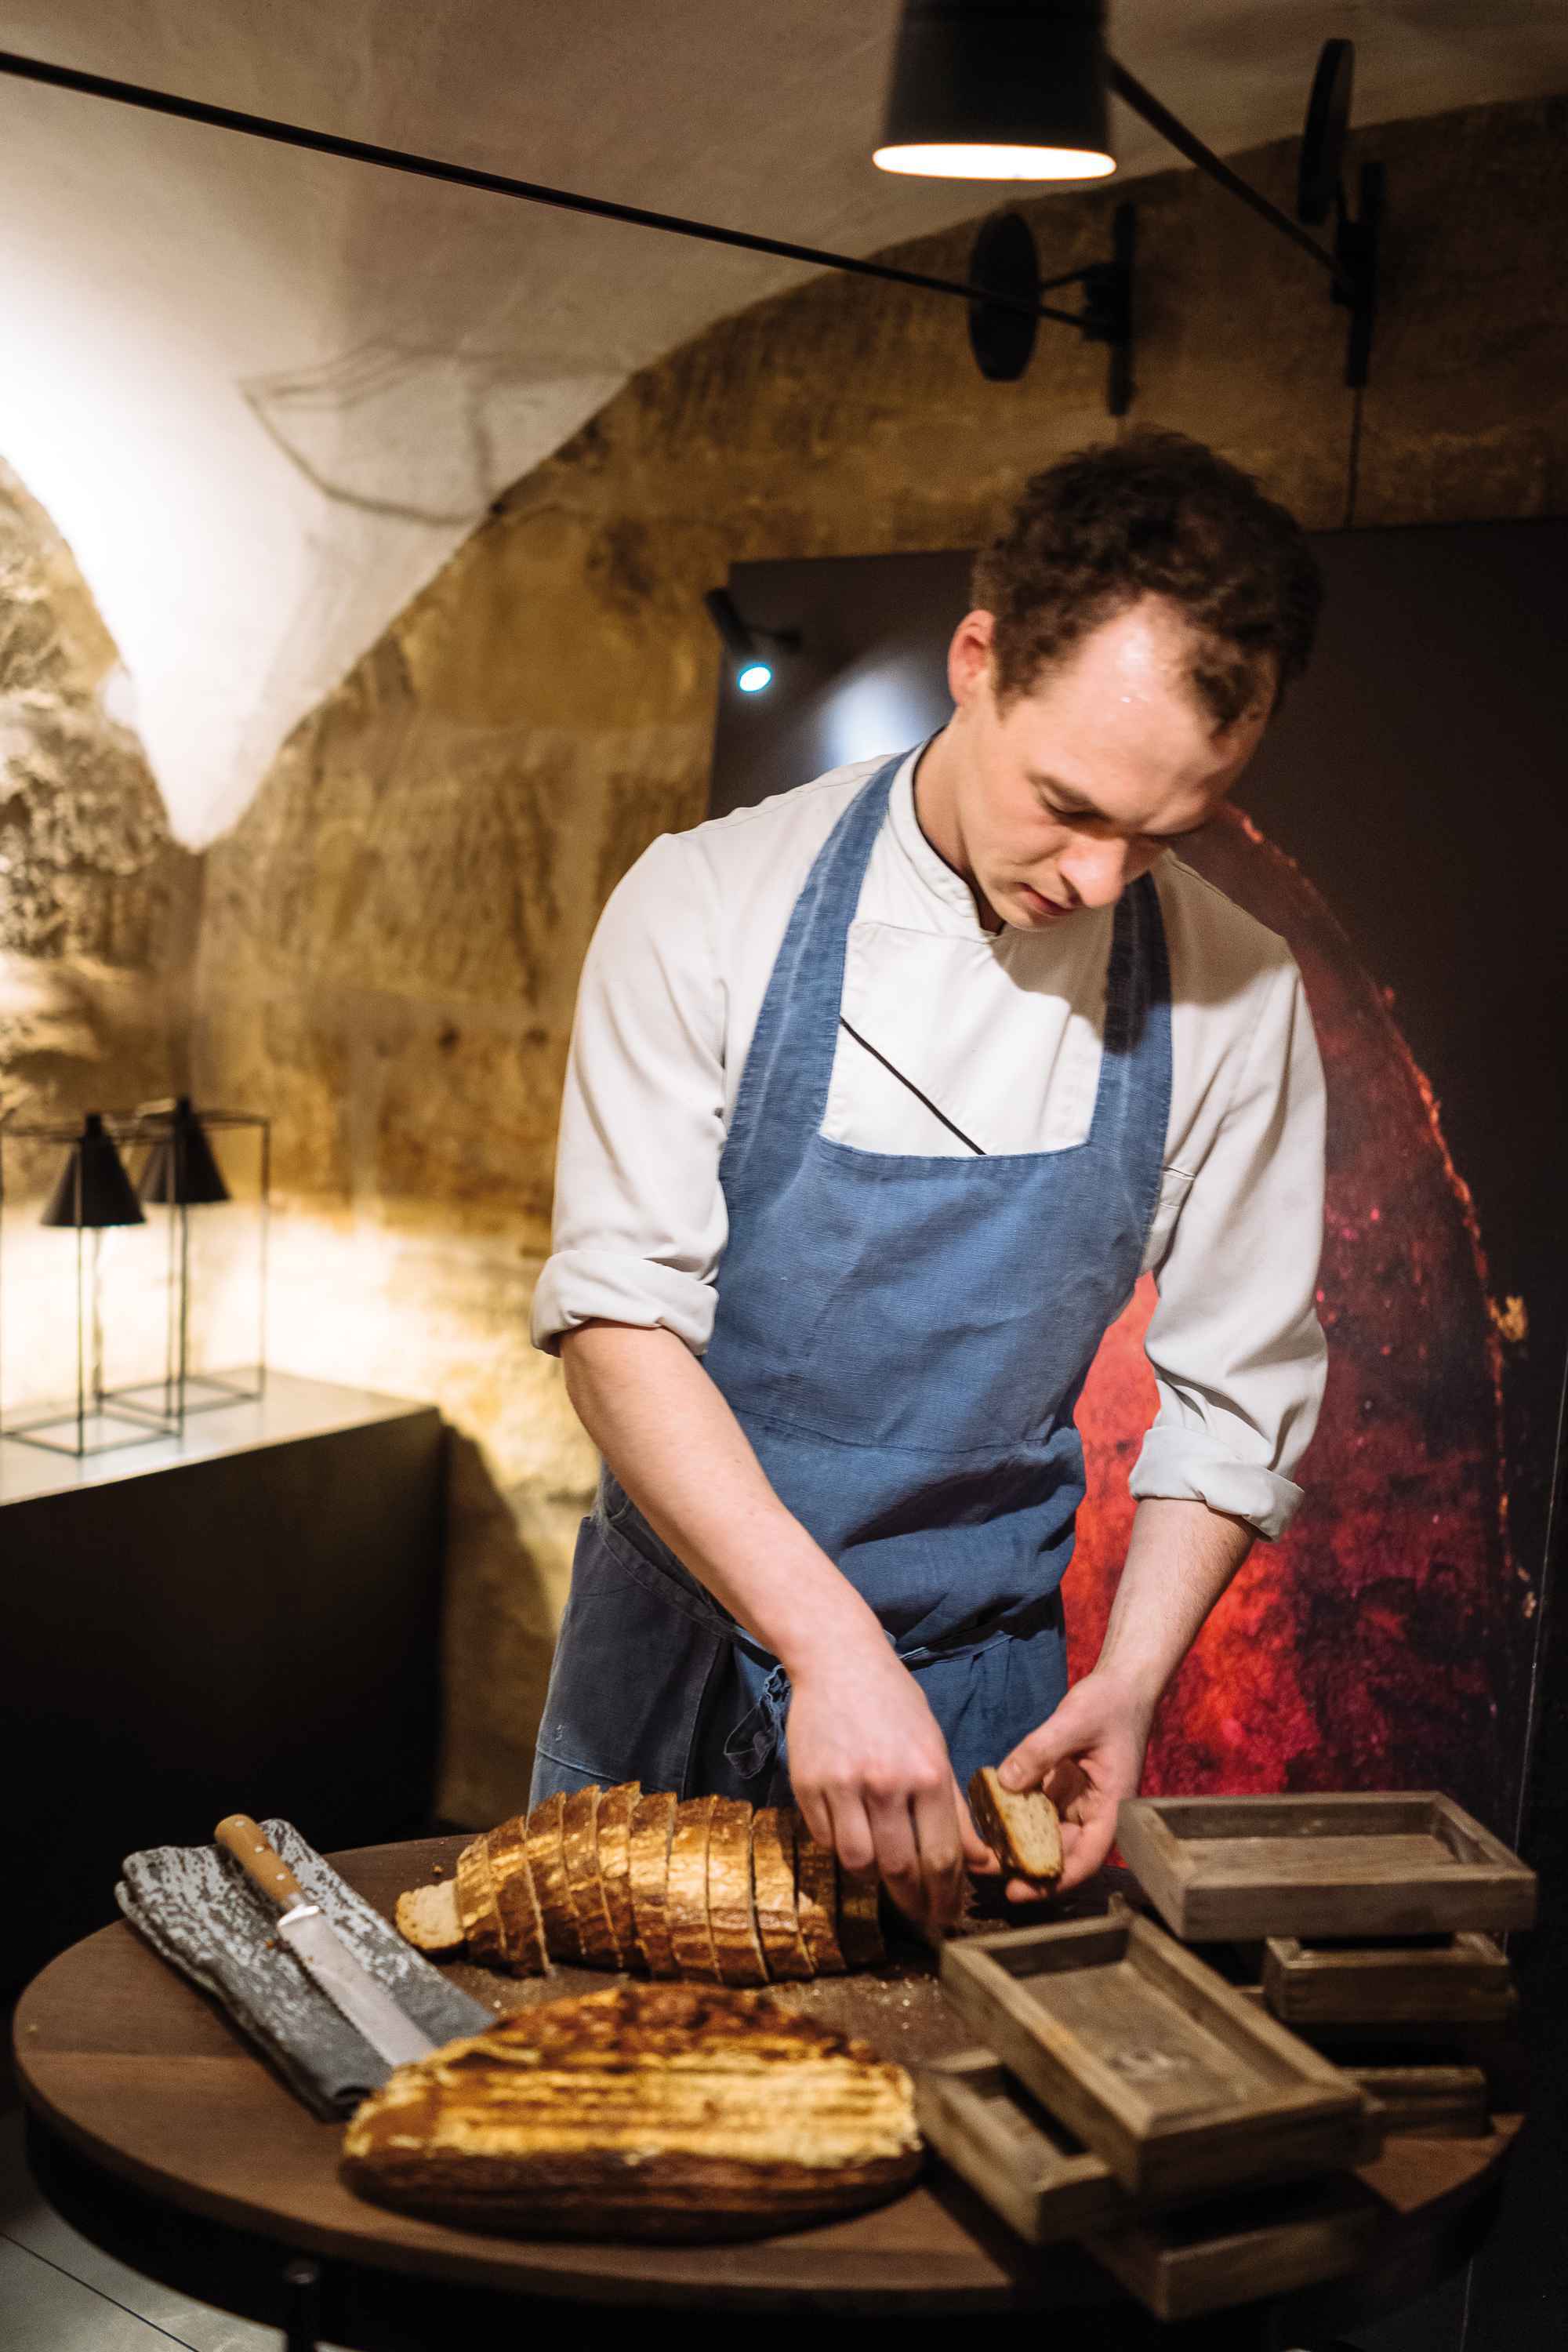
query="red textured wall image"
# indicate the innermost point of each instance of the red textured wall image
(1368, 1648)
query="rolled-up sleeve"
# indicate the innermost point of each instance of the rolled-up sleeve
(639, 1222)
(1235, 1342)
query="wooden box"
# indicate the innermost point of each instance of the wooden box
(1438, 1980)
(1026, 2165)
(1151, 2060)
(1226, 1869)
(1261, 2242)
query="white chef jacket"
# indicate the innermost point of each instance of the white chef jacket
(1002, 1031)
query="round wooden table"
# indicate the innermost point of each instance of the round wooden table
(142, 2092)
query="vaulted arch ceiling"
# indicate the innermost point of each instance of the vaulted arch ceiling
(265, 393)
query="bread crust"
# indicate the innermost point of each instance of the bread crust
(773, 1877)
(523, 1946)
(615, 1808)
(732, 1913)
(652, 1825)
(989, 1803)
(659, 2111)
(548, 1863)
(477, 1905)
(580, 1851)
(691, 1936)
(817, 1901)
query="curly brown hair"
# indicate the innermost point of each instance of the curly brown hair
(1156, 513)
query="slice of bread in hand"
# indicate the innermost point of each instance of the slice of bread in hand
(772, 1878)
(522, 1930)
(580, 1850)
(817, 1901)
(427, 1918)
(615, 1808)
(477, 1905)
(731, 1912)
(1020, 1826)
(548, 1864)
(690, 1937)
(653, 1820)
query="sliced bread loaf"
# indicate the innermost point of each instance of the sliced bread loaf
(817, 1901)
(477, 1905)
(548, 1863)
(773, 1880)
(691, 1936)
(653, 1821)
(616, 1808)
(859, 1919)
(732, 1914)
(580, 1851)
(523, 1946)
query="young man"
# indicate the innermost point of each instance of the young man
(881, 1095)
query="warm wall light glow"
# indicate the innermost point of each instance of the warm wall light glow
(753, 677)
(939, 161)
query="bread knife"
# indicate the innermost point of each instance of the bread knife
(304, 1926)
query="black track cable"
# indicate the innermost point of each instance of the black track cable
(496, 183)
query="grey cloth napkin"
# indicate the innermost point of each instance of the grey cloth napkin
(198, 1910)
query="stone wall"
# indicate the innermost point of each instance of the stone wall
(98, 905)
(392, 933)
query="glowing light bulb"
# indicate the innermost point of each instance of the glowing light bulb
(952, 160)
(753, 677)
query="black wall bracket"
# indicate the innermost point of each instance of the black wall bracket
(1005, 264)
(1002, 330)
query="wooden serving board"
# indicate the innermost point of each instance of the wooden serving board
(1228, 1869)
(1451, 1979)
(1170, 2074)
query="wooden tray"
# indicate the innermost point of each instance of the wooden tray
(1451, 1979)
(1027, 2167)
(1158, 2066)
(1267, 2241)
(1224, 1869)
(1426, 2102)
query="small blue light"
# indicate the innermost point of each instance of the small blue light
(753, 677)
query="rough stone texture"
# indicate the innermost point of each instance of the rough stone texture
(394, 932)
(98, 907)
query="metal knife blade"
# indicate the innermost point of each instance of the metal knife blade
(368, 2006)
(317, 1946)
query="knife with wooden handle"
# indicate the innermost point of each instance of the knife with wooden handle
(304, 1926)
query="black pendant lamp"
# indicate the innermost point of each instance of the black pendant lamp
(181, 1171)
(998, 89)
(94, 1190)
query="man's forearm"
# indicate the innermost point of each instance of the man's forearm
(676, 1448)
(1179, 1560)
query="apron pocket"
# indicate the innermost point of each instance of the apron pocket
(632, 1663)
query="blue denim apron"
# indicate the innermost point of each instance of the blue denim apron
(903, 1339)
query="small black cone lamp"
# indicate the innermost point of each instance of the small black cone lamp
(998, 89)
(181, 1171)
(94, 1190)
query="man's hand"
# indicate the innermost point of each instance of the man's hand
(1088, 1756)
(871, 1773)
